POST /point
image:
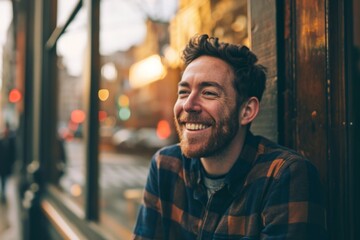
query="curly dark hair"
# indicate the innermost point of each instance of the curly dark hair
(250, 77)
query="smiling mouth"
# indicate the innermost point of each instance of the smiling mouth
(195, 126)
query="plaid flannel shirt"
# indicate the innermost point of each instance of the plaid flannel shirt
(270, 193)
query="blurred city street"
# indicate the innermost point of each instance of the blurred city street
(116, 170)
(122, 178)
(9, 214)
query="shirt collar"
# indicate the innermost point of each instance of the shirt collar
(237, 174)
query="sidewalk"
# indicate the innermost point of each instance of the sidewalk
(9, 214)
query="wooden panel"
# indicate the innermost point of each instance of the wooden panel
(311, 82)
(343, 165)
(286, 66)
(319, 102)
(355, 88)
(336, 197)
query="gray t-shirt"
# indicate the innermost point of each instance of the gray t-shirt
(213, 184)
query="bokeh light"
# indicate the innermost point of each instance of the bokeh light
(78, 116)
(124, 113)
(123, 101)
(14, 96)
(103, 94)
(102, 116)
(163, 130)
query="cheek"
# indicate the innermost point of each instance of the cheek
(224, 113)
(177, 108)
(218, 110)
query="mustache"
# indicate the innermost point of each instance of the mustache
(193, 118)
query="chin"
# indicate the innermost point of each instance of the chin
(192, 152)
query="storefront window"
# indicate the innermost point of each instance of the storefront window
(136, 96)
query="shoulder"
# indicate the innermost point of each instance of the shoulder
(169, 158)
(275, 160)
(172, 150)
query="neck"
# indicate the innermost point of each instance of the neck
(221, 163)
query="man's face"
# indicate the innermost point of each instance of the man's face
(206, 113)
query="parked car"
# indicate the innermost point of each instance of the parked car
(143, 138)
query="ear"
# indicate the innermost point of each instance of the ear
(249, 111)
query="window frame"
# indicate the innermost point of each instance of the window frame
(54, 205)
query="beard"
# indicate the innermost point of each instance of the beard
(222, 133)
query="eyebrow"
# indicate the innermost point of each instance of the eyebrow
(203, 84)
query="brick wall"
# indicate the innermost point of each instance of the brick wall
(263, 44)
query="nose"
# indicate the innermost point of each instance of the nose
(192, 104)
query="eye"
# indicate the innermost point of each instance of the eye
(210, 93)
(183, 93)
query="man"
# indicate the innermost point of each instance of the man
(222, 182)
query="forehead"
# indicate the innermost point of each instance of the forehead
(206, 68)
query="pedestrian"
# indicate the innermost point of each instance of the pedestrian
(60, 156)
(221, 181)
(7, 158)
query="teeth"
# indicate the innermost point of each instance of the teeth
(195, 126)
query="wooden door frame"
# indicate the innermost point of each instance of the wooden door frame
(342, 130)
